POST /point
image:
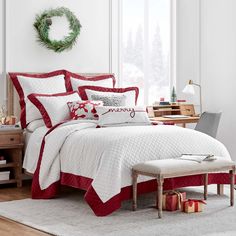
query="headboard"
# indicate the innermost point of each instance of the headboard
(13, 106)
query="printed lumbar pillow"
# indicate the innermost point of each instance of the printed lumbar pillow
(84, 109)
(122, 115)
(110, 100)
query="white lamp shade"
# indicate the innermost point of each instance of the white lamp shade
(189, 89)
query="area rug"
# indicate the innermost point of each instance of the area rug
(71, 216)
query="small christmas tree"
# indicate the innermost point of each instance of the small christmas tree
(173, 95)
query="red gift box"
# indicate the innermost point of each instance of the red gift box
(171, 200)
(192, 205)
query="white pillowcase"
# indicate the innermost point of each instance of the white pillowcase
(122, 115)
(54, 108)
(130, 96)
(79, 82)
(32, 126)
(51, 85)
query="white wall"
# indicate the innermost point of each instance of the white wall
(1, 58)
(91, 54)
(187, 46)
(219, 65)
(208, 56)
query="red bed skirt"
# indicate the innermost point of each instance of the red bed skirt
(103, 209)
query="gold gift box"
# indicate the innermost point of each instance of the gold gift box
(8, 120)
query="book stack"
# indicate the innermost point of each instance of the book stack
(9, 127)
(3, 161)
(198, 157)
(4, 175)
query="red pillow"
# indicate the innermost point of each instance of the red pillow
(84, 109)
(131, 93)
(75, 80)
(24, 87)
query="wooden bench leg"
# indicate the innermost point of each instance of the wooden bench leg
(159, 195)
(205, 186)
(232, 173)
(134, 178)
(220, 189)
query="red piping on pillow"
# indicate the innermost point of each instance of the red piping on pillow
(20, 91)
(33, 98)
(83, 94)
(94, 78)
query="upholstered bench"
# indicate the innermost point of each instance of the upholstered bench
(170, 168)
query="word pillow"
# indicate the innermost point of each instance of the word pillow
(90, 92)
(25, 84)
(53, 108)
(76, 80)
(84, 109)
(122, 115)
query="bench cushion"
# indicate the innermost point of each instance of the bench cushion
(176, 167)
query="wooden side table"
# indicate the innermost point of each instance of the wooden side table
(182, 121)
(11, 147)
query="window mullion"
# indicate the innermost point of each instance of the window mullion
(146, 56)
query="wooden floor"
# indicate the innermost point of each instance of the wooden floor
(11, 228)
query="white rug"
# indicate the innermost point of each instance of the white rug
(71, 216)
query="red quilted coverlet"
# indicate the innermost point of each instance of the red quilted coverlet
(103, 209)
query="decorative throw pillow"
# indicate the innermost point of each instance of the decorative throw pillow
(84, 109)
(130, 93)
(25, 84)
(75, 80)
(53, 107)
(112, 100)
(122, 115)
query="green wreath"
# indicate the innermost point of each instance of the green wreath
(43, 23)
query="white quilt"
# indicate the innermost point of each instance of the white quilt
(107, 155)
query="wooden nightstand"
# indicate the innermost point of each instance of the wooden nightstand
(11, 147)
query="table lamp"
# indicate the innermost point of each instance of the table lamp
(189, 89)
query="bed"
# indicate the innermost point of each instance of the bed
(77, 153)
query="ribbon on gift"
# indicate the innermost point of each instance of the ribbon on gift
(190, 203)
(172, 192)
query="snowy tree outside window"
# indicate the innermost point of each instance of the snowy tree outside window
(145, 60)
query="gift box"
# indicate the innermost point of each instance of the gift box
(171, 200)
(8, 120)
(192, 205)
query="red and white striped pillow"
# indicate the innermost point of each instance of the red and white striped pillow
(53, 107)
(84, 109)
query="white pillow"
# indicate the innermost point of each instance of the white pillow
(53, 108)
(122, 115)
(130, 93)
(25, 84)
(79, 82)
(32, 126)
(76, 80)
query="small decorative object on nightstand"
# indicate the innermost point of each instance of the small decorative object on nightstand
(11, 146)
(173, 95)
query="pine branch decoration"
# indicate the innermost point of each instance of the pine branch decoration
(42, 25)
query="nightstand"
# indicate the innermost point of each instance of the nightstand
(11, 147)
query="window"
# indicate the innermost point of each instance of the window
(145, 32)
